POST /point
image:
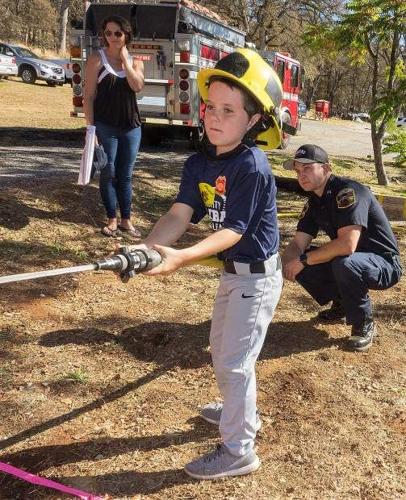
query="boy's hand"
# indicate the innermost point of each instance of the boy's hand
(171, 261)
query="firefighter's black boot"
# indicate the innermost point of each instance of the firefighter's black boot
(362, 336)
(335, 313)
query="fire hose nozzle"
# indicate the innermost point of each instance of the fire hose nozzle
(130, 262)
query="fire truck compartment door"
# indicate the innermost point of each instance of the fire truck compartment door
(156, 21)
(152, 99)
(96, 13)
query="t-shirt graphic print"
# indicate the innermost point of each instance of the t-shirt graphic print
(214, 199)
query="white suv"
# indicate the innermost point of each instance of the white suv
(8, 66)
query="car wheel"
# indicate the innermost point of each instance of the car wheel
(28, 75)
(51, 84)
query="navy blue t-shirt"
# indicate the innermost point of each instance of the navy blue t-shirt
(237, 191)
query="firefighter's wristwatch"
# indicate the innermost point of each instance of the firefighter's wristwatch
(303, 259)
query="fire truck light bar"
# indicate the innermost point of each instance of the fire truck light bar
(145, 46)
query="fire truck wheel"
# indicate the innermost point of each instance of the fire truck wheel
(28, 74)
(285, 137)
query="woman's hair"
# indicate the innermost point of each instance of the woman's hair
(251, 105)
(124, 26)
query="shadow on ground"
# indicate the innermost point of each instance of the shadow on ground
(291, 337)
(32, 136)
(40, 458)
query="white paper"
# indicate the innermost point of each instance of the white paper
(87, 156)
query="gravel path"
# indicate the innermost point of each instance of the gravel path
(58, 157)
(344, 138)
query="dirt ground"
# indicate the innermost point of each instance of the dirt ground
(101, 382)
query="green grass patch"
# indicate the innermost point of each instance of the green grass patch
(77, 376)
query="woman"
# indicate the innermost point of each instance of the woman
(112, 80)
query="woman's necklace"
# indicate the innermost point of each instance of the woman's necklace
(116, 62)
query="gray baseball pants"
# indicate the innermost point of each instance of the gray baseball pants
(243, 309)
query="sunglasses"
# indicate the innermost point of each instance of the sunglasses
(117, 34)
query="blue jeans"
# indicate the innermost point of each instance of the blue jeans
(121, 147)
(349, 279)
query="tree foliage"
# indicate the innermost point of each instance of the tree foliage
(371, 33)
(37, 22)
(395, 143)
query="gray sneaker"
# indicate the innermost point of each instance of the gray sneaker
(212, 413)
(221, 463)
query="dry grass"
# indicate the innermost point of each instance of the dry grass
(101, 382)
(36, 106)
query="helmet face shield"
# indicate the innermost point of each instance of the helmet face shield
(247, 68)
(271, 138)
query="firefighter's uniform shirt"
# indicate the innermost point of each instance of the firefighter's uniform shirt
(237, 191)
(375, 263)
(345, 203)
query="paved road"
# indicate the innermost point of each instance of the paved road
(344, 138)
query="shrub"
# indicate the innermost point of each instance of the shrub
(395, 142)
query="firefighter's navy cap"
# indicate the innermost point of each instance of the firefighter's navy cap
(253, 74)
(308, 153)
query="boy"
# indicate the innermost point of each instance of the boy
(231, 182)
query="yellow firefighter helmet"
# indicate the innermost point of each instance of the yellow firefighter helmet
(247, 68)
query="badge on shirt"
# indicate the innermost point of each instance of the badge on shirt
(345, 198)
(304, 210)
(221, 185)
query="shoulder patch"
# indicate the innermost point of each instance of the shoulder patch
(304, 210)
(345, 198)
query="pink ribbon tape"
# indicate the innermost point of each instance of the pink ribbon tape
(41, 481)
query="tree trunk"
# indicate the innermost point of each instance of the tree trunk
(377, 146)
(63, 21)
(311, 90)
(377, 132)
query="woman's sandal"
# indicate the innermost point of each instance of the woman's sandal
(110, 233)
(133, 233)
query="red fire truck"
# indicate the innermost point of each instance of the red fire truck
(291, 76)
(175, 39)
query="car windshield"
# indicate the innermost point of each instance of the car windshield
(25, 52)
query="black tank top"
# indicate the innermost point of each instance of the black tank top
(115, 102)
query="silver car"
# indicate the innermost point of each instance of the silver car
(67, 66)
(32, 68)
